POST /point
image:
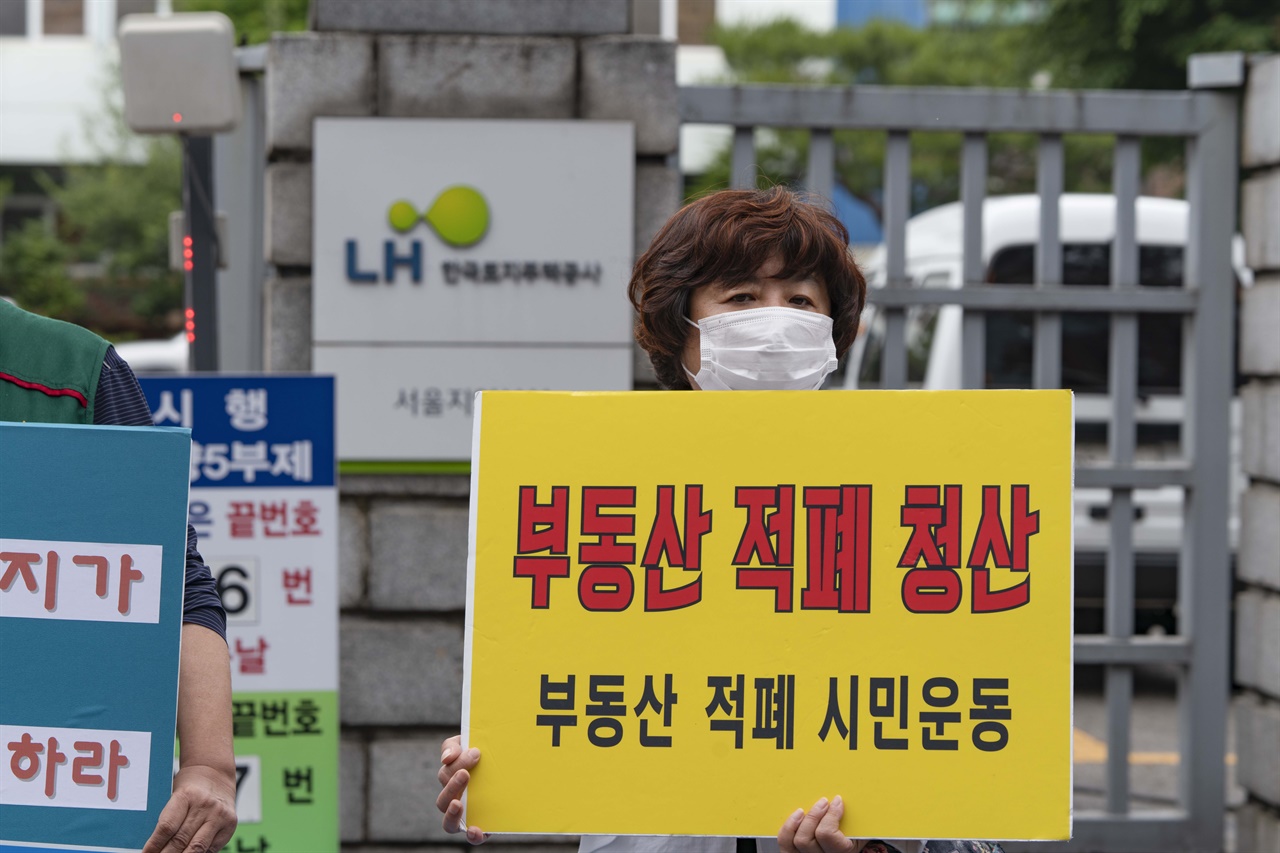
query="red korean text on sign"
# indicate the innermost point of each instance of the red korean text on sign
(768, 541)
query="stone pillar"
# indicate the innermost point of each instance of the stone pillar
(403, 539)
(1257, 604)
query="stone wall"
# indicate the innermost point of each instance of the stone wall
(404, 538)
(1257, 604)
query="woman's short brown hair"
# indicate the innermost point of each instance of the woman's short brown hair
(724, 238)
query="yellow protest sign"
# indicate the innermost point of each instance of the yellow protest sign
(692, 613)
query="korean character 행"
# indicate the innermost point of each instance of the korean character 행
(776, 710)
(765, 556)
(649, 701)
(247, 408)
(939, 693)
(839, 549)
(834, 716)
(608, 709)
(990, 707)
(889, 699)
(557, 696)
(726, 699)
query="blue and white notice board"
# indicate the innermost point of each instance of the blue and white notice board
(264, 505)
(92, 545)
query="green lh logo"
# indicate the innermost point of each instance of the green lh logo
(459, 215)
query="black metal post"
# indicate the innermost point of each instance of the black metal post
(202, 269)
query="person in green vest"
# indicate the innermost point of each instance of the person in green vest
(56, 372)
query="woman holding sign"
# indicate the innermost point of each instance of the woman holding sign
(740, 290)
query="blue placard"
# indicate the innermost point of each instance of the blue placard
(251, 430)
(92, 556)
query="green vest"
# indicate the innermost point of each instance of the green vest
(49, 369)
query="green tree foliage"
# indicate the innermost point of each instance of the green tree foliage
(255, 20)
(105, 265)
(1144, 44)
(1097, 44)
(885, 53)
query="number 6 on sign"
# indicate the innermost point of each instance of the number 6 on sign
(237, 579)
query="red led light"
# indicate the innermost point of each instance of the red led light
(186, 241)
(177, 118)
(191, 337)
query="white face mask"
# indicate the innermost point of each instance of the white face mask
(765, 349)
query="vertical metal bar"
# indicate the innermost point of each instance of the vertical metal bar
(973, 191)
(1047, 367)
(897, 200)
(1204, 571)
(201, 227)
(1126, 174)
(743, 171)
(821, 177)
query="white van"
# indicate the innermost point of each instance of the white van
(933, 337)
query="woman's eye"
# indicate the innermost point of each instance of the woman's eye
(740, 297)
(801, 300)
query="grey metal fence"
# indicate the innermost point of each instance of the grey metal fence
(1206, 117)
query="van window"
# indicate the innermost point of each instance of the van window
(1086, 336)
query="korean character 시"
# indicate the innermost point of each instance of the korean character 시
(834, 717)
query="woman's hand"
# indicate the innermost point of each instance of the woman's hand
(455, 773)
(817, 831)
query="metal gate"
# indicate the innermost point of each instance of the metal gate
(1206, 116)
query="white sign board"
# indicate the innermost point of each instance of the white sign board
(452, 256)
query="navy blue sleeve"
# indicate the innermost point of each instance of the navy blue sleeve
(120, 402)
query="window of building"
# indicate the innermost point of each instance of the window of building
(64, 17)
(13, 19)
